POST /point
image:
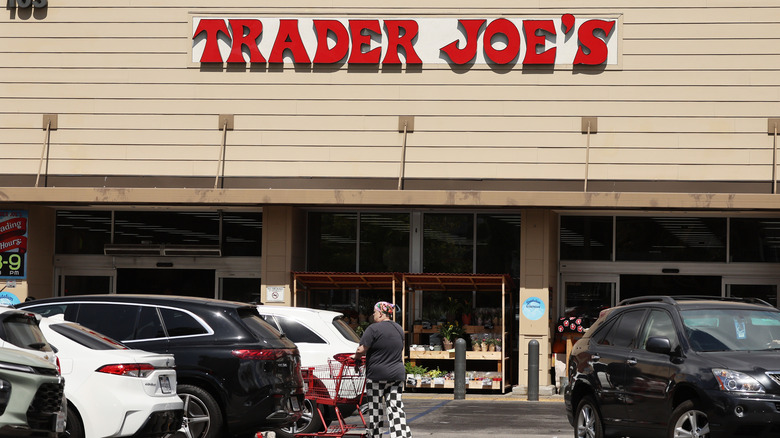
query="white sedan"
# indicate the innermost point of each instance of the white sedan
(320, 335)
(113, 391)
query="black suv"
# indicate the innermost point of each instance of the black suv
(236, 374)
(697, 367)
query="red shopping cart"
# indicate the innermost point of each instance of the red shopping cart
(337, 383)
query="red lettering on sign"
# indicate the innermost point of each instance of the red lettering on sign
(289, 38)
(534, 40)
(324, 54)
(356, 28)
(212, 29)
(395, 41)
(597, 46)
(245, 33)
(508, 53)
(466, 54)
(567, 21)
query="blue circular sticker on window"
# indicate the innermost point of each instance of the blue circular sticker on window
(8, 299)
(533, 308)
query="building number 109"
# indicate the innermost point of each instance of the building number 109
(24, 4)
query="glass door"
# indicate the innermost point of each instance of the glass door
(585, 296)
(762, 288)
(243, 287)
(84, 282)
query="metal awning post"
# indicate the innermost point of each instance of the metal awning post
(589, 125)
(405, 125)
(225, 124)
(49, 124)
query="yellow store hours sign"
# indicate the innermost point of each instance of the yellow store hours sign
(13, 244)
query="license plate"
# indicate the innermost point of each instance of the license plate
(59, 422)
(294, 404)
(165, 384)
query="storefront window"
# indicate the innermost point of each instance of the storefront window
(766, 292)
(632, 286)
(448, 243)
(332, 242)
(182, 228)
(384, 242)
(82, 232)
(498, 245)
(242, 234)
(755, 240)
(586, 238)
(692, 239)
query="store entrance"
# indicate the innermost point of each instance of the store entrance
(189, 282)
(228, 278)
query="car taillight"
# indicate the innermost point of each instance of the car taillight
(128, 369)
(266, 354)
(57, 362)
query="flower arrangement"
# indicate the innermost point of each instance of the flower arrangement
(450, 331)
(476, 342)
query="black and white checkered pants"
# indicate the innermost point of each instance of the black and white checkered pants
(381, 393)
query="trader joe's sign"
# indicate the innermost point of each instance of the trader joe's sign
(13, 243)
(564, 40)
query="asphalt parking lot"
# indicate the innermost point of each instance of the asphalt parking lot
(440, 416)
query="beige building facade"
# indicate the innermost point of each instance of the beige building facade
(636, 143)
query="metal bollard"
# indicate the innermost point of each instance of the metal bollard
(533, 370)
(460, 369)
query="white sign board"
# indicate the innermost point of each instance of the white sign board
(274, 294)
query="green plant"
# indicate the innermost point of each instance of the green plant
(415, 369)
(435, 373)
(361, 328)
(490, 341)
(453, 305)
(450, 331)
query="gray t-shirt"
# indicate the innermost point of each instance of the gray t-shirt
(384, 342)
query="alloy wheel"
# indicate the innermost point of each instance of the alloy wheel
(196, 421)
(692, 424)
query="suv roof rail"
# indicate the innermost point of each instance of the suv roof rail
(674, 299)
(648, 299)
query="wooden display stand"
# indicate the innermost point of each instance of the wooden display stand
(304, 283)
(462, 283)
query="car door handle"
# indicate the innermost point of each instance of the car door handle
(631, 361)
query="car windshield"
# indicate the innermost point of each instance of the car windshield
(732, 329)
(22, 331)
(345, 330)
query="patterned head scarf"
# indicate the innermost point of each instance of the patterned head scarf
(385, 308)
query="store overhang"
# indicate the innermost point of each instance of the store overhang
(205, 198)
(444, 282)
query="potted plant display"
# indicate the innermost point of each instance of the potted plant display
(449, 332)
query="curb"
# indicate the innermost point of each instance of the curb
(483, 397)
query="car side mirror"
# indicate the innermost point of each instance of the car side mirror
(659, 345)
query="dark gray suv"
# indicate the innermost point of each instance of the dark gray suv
(694, 367)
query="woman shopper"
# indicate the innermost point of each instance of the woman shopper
(383, 345)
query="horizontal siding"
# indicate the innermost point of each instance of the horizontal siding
(689, 101)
